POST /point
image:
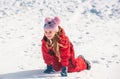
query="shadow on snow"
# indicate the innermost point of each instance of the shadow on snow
(27, 74)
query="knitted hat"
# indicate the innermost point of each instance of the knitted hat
(52, 23)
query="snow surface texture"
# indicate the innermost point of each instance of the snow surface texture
(93, 26)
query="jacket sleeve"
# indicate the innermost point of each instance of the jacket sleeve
(46, 56)
(64, 51)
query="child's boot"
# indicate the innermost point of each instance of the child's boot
(88, 65)
(64, 71)
(49, 69)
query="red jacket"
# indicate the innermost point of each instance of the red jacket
(66, 54)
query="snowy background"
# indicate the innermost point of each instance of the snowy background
(93, 26)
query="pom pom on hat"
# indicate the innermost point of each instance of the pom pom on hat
(56, 20)
(52, 23)
(47, 19)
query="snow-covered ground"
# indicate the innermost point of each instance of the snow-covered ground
(93, 26)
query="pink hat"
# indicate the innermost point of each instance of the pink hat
(52, 23)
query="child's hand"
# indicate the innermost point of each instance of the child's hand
(51, 52)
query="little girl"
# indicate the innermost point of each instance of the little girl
(58, 51)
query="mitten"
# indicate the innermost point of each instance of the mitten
(64, 71)
(51, 52)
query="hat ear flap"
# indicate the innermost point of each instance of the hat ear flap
(56, 20)
(47, 19)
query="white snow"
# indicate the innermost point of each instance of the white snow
(93, 27)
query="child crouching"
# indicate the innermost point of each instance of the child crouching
(58, 52)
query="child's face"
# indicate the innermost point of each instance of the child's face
(49, 33)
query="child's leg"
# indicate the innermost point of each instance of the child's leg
(80, 65)
(86, 61)
(56, 65)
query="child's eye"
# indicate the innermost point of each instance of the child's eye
(45, 32)
(50, 32)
